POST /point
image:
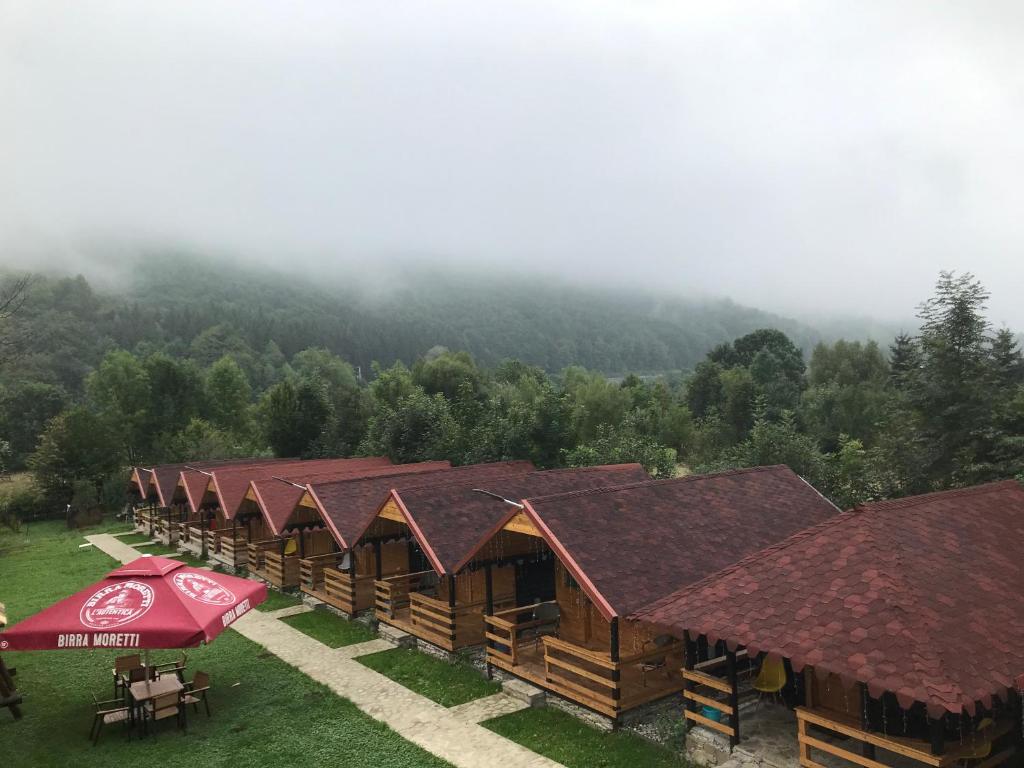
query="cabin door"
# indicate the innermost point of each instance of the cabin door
(535, 582)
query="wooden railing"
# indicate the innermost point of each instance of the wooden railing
(311, 570)
(231, 546)
(391, 594)
(347, 593)
(280, 570)
(506, 632)
(257, 552)
(914, 749)
(529, 648)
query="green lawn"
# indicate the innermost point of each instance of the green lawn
(447, 683)
(133, 539)
(277, 600)
(330, 629)
(575, 744)
(264, 712)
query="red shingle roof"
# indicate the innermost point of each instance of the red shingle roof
(630, 545)
(140, 479)
(277, 499)
(350, 506)
(453, 521)
(232, 483)
(922, 597)
(165, 476)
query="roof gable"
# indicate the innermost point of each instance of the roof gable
(350, 506)
(634, 544)
(456, 519)
(277, 498)
(231, 483)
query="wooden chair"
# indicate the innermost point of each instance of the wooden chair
(107, 713)
(198, 691)
(981, 744)
(138, 674)
(177, 667)
(163, 707)
(122, 666)
(771, 679)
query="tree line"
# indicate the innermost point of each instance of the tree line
(941, 408)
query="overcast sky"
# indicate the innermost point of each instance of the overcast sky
(795, 156)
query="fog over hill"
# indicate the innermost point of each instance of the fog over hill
(800, 157)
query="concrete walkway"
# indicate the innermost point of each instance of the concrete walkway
(451, 734)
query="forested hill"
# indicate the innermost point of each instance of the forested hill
(201, 311)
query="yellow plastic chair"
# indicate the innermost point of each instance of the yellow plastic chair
(771, 679)
(981, 745)
(290, 548)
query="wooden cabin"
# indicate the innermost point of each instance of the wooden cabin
(346, 577)
(587, 559)
(164, 505)
(141, 497)
(898, 626)
(284, 531)
(227, 533)
(444, 523)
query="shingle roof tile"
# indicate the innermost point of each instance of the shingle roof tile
(636, 543)
(931, 595)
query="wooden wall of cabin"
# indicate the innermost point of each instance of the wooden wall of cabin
(471, 587)
(319, 542)
(829, 693)
(579, 621)
(394, 559)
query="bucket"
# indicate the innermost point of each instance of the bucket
(712, 714)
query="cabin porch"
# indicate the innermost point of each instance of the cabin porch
(445, 611)
(600, 673)
(817, 719)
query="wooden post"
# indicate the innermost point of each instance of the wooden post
(488, 611)
(377, 556)
(937, 732)
(868, 750)
(689, 661)
(302, 543)
(734, 695)
(451, 591)
(613, 654)
(352, 568)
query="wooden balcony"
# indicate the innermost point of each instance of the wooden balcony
(280, 570)
(344, 592)
(529, 649)
(391, 594)
(191, 539)
(228, 546)
(311, 570)
(837, 736)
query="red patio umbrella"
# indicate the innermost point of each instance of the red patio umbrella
(152, 602)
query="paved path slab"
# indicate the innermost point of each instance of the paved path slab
(451, 734)
(113, 546)
(487, 708)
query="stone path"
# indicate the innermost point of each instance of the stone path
(478, 710)
(451, 734)
(114, 547)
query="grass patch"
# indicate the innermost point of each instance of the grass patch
(277, 600)
(329, 629)
(135, 538)
(447, 683)
(264, 712)
(567, 740)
